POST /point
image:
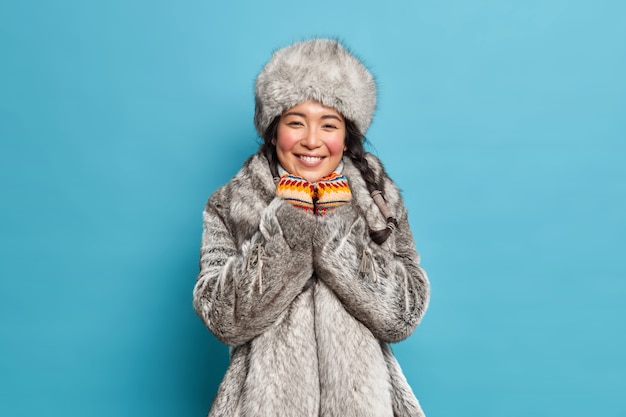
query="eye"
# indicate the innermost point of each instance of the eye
(295, 123)
(329, 126)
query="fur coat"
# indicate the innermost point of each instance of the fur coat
(308, 304)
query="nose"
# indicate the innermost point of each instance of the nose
(311, 139)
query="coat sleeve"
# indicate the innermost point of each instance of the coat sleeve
(241, 291)
(382, 286)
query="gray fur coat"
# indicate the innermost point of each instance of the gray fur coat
(308, 304)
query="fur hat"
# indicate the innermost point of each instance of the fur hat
(318, 69)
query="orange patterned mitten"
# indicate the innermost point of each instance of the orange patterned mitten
(296, 191)
(332, 191)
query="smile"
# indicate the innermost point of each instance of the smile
(310, 159)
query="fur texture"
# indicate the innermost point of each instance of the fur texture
(321, 70)
(308, 304)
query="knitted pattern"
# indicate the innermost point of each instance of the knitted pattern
(296, 191)
(332, 191)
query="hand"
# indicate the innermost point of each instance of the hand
(296, 191)
(332, 191)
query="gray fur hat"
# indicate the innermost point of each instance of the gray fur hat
(319, 69)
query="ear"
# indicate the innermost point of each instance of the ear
(274, 141)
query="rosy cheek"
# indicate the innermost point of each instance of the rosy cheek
(336, 145)
(285, 141)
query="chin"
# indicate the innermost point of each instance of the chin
(315, 177)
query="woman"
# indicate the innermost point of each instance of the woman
(308, 267)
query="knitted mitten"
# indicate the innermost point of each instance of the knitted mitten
(332, 191)
(296, 191)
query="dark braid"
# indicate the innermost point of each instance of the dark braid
(356, 153)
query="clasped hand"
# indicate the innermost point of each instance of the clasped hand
(319, 197)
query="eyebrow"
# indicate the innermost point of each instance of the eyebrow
(326, 116)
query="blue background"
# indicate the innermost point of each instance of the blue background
(502, 121)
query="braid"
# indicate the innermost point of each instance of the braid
(356, 153)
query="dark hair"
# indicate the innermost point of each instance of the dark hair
(356, 152)
(268, 149)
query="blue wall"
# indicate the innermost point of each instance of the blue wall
(502, 121)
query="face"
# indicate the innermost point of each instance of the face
(310, 140)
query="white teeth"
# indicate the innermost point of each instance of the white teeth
(310, 158)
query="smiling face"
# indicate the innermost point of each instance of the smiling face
(310, 140)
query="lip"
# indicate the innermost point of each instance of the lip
(310, 160)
